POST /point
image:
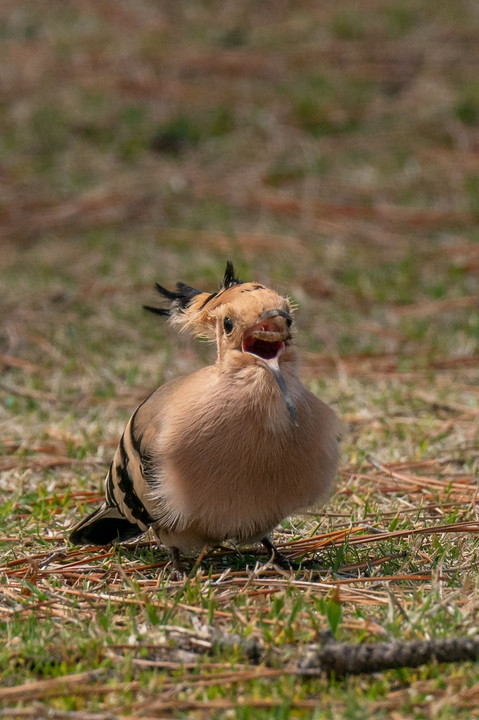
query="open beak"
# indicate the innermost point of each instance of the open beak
(266, 339)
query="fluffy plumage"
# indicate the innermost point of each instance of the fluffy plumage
(230, 450)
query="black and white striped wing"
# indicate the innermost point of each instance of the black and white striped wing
(124, 514)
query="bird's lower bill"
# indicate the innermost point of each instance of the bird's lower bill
(268, 345)
(266, 340)
(265, 349)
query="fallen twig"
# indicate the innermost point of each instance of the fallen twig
(341, 659)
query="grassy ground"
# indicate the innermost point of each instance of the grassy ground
(331, 150)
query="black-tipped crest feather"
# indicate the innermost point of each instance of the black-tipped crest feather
(158, 311)
(169, 294)
(179, 300)
(182, 298)
(230, 278)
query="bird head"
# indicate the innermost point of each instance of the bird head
(250, 323)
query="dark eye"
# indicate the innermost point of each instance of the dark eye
(289, 321)
(228, 325)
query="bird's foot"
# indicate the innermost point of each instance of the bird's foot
(178, 571)
(277, 558)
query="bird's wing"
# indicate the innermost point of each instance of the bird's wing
(127, 512)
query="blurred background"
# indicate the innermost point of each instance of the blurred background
(328, 148)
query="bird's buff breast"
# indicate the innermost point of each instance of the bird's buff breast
(235, 469)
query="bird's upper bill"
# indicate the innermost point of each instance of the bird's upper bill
(267, 338)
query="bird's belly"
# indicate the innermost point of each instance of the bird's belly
(238, 475)
(238, 497)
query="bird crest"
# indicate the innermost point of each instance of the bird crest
(193, 309)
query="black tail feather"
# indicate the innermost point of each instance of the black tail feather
(104, 527)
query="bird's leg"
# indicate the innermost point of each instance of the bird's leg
(178, 568)
(278, 558)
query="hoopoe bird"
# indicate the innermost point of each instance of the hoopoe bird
(229, 451)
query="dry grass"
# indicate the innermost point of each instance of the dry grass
(331, 152)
